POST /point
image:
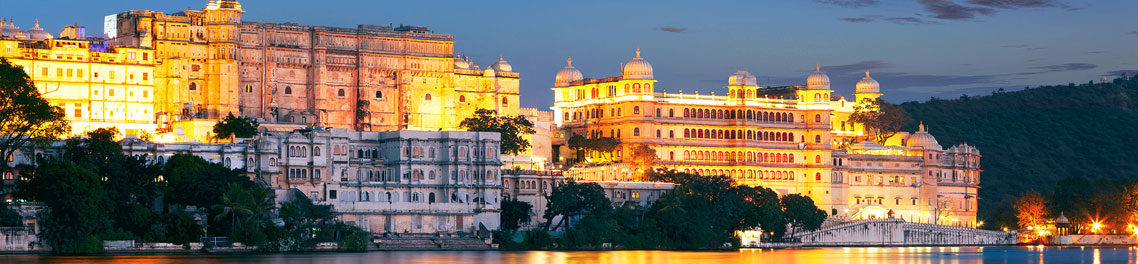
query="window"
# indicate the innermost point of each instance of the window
(111, 92)
(340, 92)
(505, 101)
(145, 75)
(43, 72)
(315, 151)
(145, 93)
(288, 89)
(427, 97)
(78, 110)
(636, 110)
(193, 86)
(331, 194)
(817, 118)
(817, 139)
(636, 132)
(145, 56)
(378, 94)
(462, 99)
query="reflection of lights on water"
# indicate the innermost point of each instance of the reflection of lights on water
(1097, 260)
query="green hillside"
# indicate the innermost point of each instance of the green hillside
(1031, 139)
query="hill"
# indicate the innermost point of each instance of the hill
(1031, 139)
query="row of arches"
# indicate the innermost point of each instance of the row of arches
(595, 92)
(749, 156)
(762, 116)
(738, 134)
(740, 174)
(301, 151)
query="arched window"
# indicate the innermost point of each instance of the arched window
(315, 151)
(671, 113)
(248, 88)
(193, 86)
(378, 94)
(505, 101)
(818, 159)
(647, 86)
(817, 139)
(288, 89)
(817, 118)
(626, 88)
(671, 134)
(657, 133)
(636, 110)
(427, 97)
(431, 198)
(636, 132)
(340, 92)
(462, 99)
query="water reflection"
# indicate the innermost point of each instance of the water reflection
(853, 255)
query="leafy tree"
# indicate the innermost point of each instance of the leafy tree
(234, 205)
(9, 217)
(880, 119)
(303, 221)
(571, 199)
(514, 213)
(234, 126)
(1030, 209)
(801, 212)
(512, 129)
(763, 209)
(643, 157)
(603, 146)
(192, 180)
(181, 228)
(25, 116)
(79, 205)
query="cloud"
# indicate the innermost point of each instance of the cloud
(1120, 72)
(950, 10)
(1023, 47)
(849, 3)
(674, 29)
(855, 68)
(1066, 67)
(1134, 33)
(1013, 4)
(894, 20)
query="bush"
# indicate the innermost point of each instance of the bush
(355, 242)
(93, 245)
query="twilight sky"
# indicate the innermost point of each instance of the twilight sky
(917, 49)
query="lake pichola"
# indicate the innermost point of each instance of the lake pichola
(866, 255)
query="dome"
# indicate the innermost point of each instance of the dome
(502, 65)
(868, 85)
(637, 69)
(38, 33)
(1062, 219)
(9, 29)
(461, 62)
(742, 78)
(567, 75)
(922, 139)
(818, 80)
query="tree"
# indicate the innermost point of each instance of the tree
(642, 158)
(1030, 209)
(513, 129)
(880, 119)
(515, 213)
(602, 146)
(571, 199)
(192, 180)
(801, 212)
(79, 206)
(25, 116)
(234, 205)
(234, 126)
(9, 217)
(763, 210)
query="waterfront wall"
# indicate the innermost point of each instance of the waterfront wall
(896, 232)
(1096, 240)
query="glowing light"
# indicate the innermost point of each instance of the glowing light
(1096, 227)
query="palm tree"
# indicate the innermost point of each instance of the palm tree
(233, 206)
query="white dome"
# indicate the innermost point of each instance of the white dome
(38, 33)
(9, 29)
(637, 69)
(922, 139)
(868, 85)
(567, 75)
(742, 78)
(818, 80)
(461, 62)
(502, 65)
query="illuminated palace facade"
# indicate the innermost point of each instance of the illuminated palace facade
(792, 139)
(155, 69)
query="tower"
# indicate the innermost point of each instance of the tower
(222, 20)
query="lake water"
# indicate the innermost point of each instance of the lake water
(868, 255)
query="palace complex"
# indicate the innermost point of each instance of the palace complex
(792, 139)
(155, 72)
